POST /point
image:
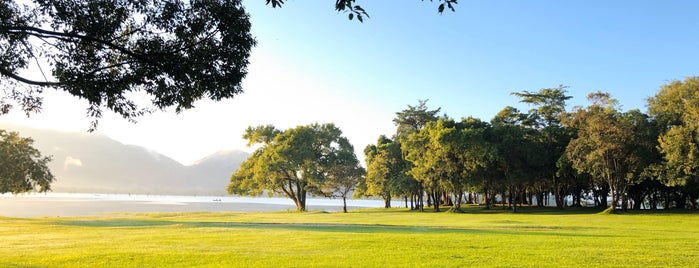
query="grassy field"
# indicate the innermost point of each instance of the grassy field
(366, 238)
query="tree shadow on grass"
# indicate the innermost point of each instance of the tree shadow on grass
(478, 209)
(523, 230)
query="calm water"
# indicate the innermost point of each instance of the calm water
(62, 204)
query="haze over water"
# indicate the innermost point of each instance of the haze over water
(64, 204)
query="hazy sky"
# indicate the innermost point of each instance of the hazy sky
(313, 65)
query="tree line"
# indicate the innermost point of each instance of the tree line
(620, 159)
(546, 155)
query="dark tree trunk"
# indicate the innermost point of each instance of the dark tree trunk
(513, 198)
(344, 204)
(487, 198)
(420, 200)
(435, 199)
(429, 198)
(412, 201)
(387, 200)
(457, 203)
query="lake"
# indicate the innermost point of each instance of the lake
(77, 204)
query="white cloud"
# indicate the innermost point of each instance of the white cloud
(72, 162)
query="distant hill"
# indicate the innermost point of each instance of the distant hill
(94, 163)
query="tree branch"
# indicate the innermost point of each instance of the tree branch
(9, 74)
(53, 34)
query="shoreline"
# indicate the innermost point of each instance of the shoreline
(72, 205)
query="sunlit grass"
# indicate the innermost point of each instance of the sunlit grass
(379, 238)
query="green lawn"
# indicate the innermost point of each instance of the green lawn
(378, 238)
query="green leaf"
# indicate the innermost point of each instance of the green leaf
(351, 16)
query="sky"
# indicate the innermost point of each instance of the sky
(312, 64)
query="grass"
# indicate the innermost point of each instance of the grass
(362, 238)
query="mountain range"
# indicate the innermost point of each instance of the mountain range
(94, 163)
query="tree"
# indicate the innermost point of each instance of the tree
(604, 145)
(468, 153)
(519, 152)
(22, 167)
(386, 171)
(293, 162)
(427, 164)
(545, 116)
(676, 109)
(414, 118)
(343, 175)
(408, 121)
(176, 52)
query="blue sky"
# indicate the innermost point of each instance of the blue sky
(313, 65)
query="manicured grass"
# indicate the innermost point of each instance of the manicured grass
(365, 238)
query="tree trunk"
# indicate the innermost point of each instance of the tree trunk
(435, 199)
(487, 198)
(387, 200)
(457, 203)
(344, 204)
(412, 201)
(420, 201)
(513, 198)
(429, 198)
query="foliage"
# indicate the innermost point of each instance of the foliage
(22, 167)
(676, 108)
(343, 175)
(176, 52)
(386, 171)
(414, 118)
(111, 53)
(357, 11)
(548, 110)
(313, 158)
(604, 145)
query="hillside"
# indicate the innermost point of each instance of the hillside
(94, 163)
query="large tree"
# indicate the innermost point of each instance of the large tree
(604, 145)
(103, 51)
(22, 167)
(292, 162)
(548, 109)
(173, 51)
(676, 109)
(520, 157)
(386, 171)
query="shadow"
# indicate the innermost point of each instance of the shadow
(115, 223)
(528, 230)
(479, 209)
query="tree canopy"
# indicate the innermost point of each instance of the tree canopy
(176, 52)
(111, 53)
(585, 155)
(22, 167)
(313, 159)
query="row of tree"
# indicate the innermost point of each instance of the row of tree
(596, 153)
(632, 159)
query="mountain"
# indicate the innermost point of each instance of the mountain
(94, 163)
